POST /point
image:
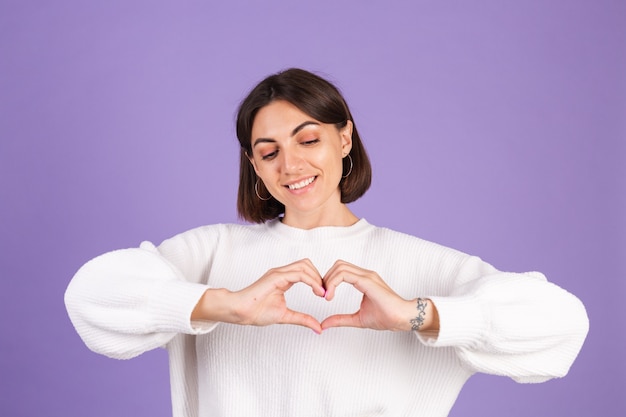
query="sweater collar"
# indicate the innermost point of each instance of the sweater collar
(319, 233)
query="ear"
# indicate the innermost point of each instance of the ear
(346, 138)
(251, 159)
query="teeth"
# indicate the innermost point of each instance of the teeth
(301, 184)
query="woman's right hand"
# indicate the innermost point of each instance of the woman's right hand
(263, 302)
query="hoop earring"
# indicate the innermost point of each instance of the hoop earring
(256, 190)
(350, 170)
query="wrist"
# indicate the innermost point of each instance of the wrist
(425, 316)
(213, 306)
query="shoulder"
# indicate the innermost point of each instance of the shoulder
(404, 242)
(390, 235)
(205, 237)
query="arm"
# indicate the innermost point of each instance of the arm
(517, 325)
(126, 302)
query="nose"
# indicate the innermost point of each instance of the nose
(293, 161)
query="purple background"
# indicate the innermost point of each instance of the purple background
(494, 127)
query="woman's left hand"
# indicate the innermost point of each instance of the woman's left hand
(381, 308)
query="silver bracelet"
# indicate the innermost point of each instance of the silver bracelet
(418, 321)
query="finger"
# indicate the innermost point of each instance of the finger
(362, 279)
(290, 278)
(337, 265)
(332, 279)
(318, 289)
(331, 283)
(342, 273)
(308, 262)
(342, 320)
(304, 271)
(301, 319)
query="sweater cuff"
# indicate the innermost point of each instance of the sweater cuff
(174, 302)
(462, 323)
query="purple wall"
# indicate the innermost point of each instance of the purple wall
(496, 129)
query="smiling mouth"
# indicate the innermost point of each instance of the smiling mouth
(301, 184)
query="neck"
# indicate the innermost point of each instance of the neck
(341, 217)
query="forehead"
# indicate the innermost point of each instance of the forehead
(278, 118)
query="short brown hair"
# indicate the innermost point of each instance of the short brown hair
(317, 98)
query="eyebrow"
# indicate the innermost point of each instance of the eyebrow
(293, 132)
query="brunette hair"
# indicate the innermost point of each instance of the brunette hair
(317, 98)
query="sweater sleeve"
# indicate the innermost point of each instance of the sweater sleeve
(129, 301)
(515, 325)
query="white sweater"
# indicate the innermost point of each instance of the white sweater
(126, 302)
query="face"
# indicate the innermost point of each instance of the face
(299, 159)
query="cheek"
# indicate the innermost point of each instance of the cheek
(264, 174)
(332, 165)
(260, 166)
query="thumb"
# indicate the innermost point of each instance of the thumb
(342, 320)
(301, 319)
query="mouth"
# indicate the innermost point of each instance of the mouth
(301, 184)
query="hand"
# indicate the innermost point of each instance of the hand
(381, 308)
(263, 303)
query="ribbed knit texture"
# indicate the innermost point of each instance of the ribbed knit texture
(518, 325)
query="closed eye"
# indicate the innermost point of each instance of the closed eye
(269, 156)
(310, 142)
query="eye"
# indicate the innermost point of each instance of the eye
(310, 142)
(269, 156)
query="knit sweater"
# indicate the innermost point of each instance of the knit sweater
(129, 301)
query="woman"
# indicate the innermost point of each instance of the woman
(209, 294)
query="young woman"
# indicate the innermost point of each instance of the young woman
(209, 295)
